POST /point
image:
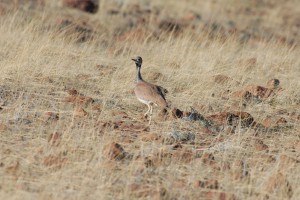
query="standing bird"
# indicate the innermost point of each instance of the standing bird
(148, 93)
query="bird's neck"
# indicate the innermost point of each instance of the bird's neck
(139, 76)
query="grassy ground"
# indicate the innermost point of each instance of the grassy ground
(58, 146)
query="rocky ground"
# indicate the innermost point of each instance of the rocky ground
(71, 127)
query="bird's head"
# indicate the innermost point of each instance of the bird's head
(138, 61)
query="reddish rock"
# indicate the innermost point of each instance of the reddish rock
(278, 182)
(191, 17)
(54, 161)
(219, 118)
(72, 92)
(147, 191)
(225, 166)
(12, 167)
(79, 100)
(109, 124)
(119, 113)
(104, 124)
(105, 70)
(84, 5)
(260, 146)
(238, 169)
(150, 137)
(140, 190)
(97, 107)
(246, 118)
(183, 155)
(83, 30)
(259, 91)
(178, 184)
(80, 112)
(286, 162)
(83, 77)
(3, 10)
(243, 95)
(54, 138)
(134, 127)
(114, 151)
(208, 158)
(50, 116)
(3, 127)
(152, 161)
(171, 25)
(281, 121)
(273, 83)
(252, 92)
(269, 122)
(206, 131)
(232, 118)
(220, 195)
(248, 63)
(223, 79)
(208, 184)
(293, 116)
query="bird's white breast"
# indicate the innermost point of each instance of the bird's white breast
(144, 101)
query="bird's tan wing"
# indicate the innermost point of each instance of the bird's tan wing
(150, 92)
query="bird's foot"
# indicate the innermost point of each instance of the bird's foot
(144, 118)
(147, 117)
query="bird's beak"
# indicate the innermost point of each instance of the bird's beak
(133, 59)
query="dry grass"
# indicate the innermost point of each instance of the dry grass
(52, 149)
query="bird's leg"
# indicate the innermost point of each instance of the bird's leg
(151, 106)
(147, 110)
(149, 120)
(151, 109)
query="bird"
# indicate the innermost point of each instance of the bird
(148, 93)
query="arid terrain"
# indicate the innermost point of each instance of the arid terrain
(72, 128)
